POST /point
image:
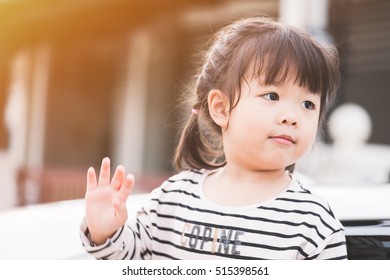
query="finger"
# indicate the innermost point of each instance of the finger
(118, 178)
(104, 176)
(91, 179)
(127, 186)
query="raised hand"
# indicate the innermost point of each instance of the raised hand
(105, 201)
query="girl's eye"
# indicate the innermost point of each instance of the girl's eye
(309, 105)
(272, 96)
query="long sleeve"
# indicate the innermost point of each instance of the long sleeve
(332, 248)
(131, 241)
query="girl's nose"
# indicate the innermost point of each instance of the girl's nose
(289, 119)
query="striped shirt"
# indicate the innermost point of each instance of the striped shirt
(179, 222)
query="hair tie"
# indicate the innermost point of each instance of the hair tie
(195, 111)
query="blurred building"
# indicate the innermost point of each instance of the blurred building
(80, 80)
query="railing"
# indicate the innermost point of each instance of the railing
(55, 184)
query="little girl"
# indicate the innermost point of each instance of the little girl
(258, 100)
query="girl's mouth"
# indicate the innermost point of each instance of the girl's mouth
(283, 139)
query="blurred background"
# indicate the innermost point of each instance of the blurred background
(81, 80)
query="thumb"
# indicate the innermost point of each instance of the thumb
(119, 207)
(127, 186)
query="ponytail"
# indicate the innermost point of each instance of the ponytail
(195, 150)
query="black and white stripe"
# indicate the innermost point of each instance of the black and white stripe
(180, 223)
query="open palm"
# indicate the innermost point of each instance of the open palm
(105, 201)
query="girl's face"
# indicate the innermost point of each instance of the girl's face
(272, 126)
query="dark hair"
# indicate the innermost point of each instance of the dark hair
(256, 45)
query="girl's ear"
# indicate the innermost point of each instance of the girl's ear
(219, 107)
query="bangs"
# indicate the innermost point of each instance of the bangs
(285, 54)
